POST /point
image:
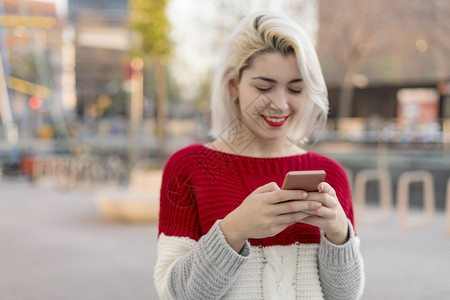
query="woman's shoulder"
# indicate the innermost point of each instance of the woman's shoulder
(325, 162)
(187, 155)
(188, 151)
(322, 158)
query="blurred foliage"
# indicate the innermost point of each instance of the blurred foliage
(148, 19)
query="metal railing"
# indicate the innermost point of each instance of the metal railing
(405, 218)
(69, 172)
(429, 207)
(447, 208)
(384, 191)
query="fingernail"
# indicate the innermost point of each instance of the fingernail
(317, 204)
(305, 195)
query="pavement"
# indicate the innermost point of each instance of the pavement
(55, 245)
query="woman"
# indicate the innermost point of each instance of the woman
(227, 230)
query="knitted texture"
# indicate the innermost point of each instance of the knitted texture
(341, 269)
(200, 187)
(210, 269)
(206, 273)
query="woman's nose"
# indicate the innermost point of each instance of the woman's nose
(279, 102)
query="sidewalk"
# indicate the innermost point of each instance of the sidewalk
(54, 245)
(412, 264)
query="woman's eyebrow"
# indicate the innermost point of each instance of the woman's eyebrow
(265, 79)
(274, 81)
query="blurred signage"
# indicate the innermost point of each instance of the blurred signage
(417, 106)
(29, 88)
(38, 22)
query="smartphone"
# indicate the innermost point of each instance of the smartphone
(303, 180)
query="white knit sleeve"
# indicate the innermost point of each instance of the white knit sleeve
(341, 268)
(186, 269)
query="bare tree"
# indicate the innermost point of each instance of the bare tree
(355, 33)
(440, 36)
(231, 12)
(350, 31)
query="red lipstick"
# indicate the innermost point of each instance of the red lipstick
(275, 121)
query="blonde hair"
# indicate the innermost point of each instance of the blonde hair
(268, 32)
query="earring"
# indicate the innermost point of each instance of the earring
(236, 100)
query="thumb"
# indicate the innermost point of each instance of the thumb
(269, 187)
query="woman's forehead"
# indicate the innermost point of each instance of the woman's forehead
(275, 65)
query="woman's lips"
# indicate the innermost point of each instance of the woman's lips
(275, 121)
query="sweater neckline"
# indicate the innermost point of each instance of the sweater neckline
(232, 155)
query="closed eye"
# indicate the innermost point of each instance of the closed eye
(295, 91)
(264, 90)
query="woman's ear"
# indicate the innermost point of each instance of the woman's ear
(233, 88)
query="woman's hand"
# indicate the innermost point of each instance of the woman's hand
(330, 217)
(266, 212)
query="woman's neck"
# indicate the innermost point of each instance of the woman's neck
(256, 147)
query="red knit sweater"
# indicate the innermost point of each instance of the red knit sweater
(201, 185)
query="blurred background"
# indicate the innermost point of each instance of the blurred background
(96, 95)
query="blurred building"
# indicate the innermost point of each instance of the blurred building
(101, 40)
(37, 72)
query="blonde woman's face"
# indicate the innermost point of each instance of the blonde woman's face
(271, 94)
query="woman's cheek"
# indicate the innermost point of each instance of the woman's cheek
(297, 104)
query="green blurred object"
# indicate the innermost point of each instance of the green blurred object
(149, 21)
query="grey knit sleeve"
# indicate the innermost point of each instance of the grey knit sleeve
(341, 268)
(208, 270)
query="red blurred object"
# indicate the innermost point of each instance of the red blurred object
(35, 102)
(26, 164)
